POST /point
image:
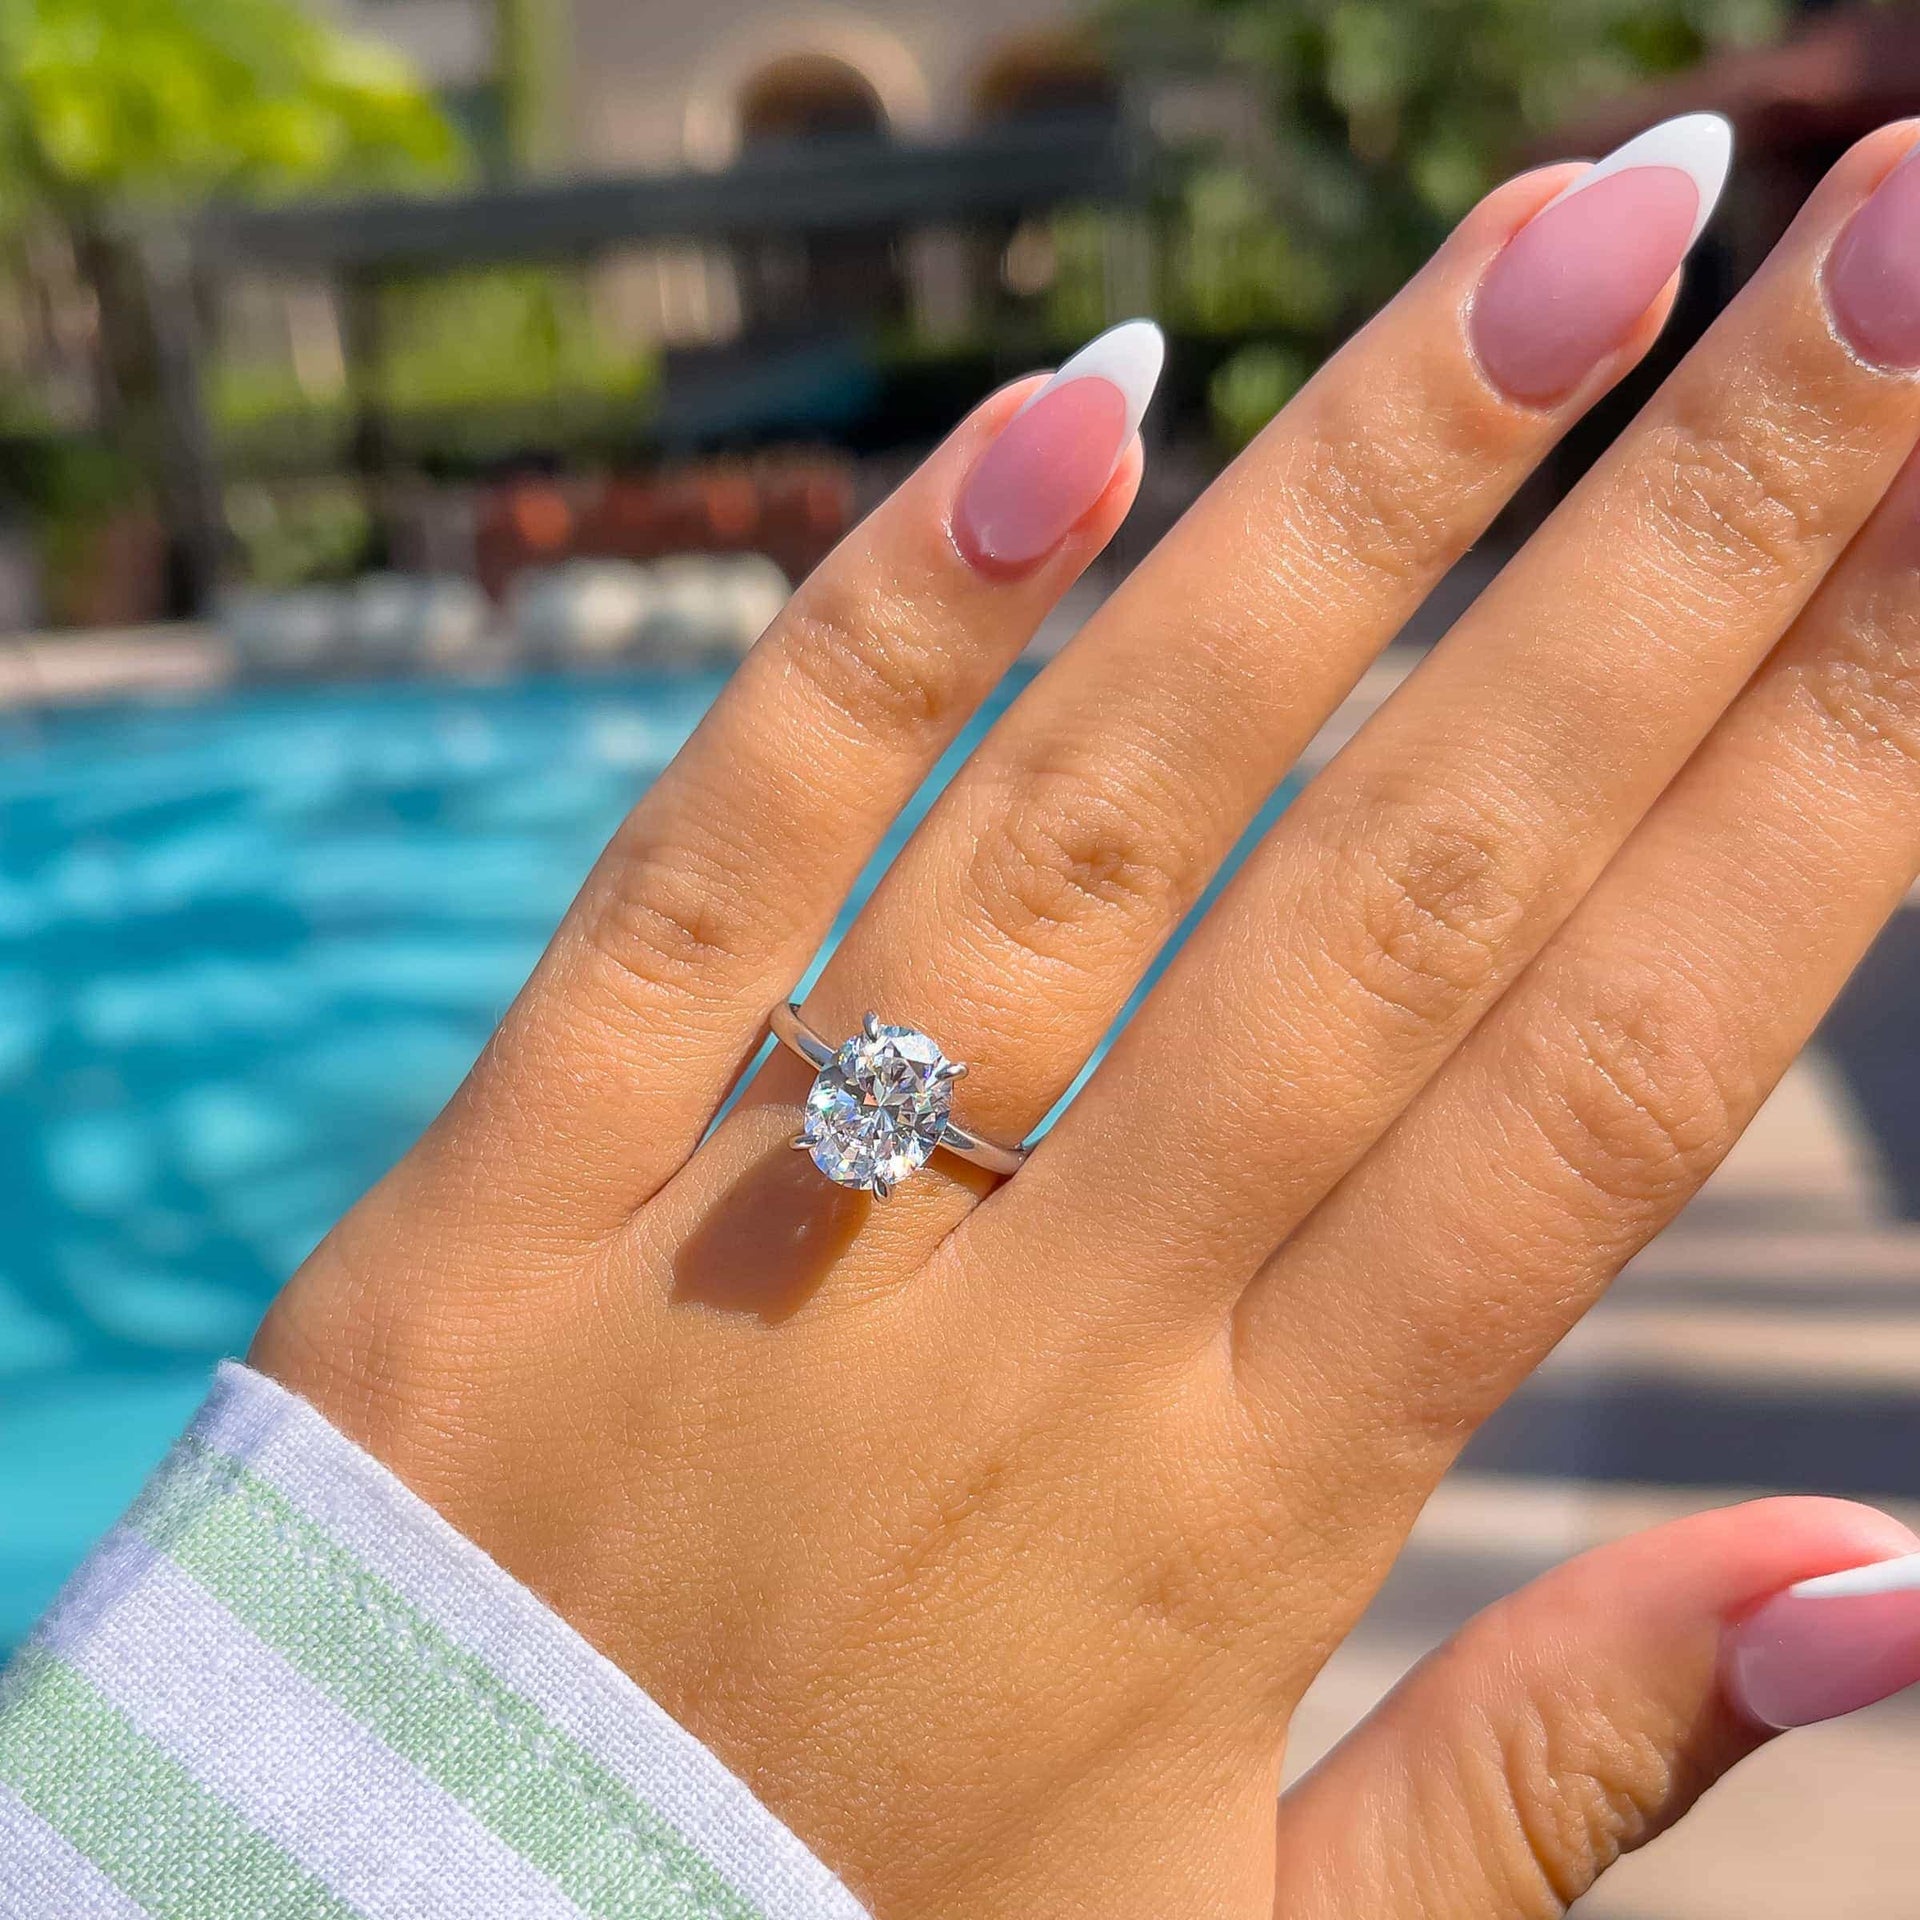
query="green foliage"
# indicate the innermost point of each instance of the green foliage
(1076, 302)
(502, 336)
(471, 368)
(296, 536)
(169, 100)
(1251, 386)
(1388, 112)
(114, 110)
(1382, 121)
(1238, 269)
(52, 478)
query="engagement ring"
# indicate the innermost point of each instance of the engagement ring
(880, 1104)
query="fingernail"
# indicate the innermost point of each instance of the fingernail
(1873, 274)
(1053, 460)
(1573, 283)
(1829, 1646)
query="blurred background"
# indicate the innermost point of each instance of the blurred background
(410, 409)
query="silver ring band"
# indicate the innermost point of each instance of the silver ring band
(791, 1029)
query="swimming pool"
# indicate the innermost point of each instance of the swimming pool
(247, 949)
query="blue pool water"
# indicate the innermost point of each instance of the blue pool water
(247, 949)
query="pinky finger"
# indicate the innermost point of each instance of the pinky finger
(1575, 1721)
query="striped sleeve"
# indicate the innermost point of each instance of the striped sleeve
(285, 1689)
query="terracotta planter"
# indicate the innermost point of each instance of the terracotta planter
(792, 510)
(112, 573)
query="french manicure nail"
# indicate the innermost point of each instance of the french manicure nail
(1829, 1646)
(1873, 273)
(1573, 283)
(1054, 458)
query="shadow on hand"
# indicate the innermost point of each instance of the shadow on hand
(769, 1241)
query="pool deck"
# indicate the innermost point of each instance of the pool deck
(167, 662)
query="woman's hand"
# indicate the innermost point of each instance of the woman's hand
(993, 1535)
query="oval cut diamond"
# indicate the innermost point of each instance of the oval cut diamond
(878, 1108)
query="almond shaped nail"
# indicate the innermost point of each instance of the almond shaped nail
(1570, 287)
(1055, 457)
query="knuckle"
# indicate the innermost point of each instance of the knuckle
(1741, 492)
(1082, 857)
(1440, 891)
(1389, 501)
(1642, 1107)
(872, 661)
(676, 922)
(1560, 1789)
(1863, 682)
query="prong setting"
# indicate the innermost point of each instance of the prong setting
(879, 1107)
(881, 1104)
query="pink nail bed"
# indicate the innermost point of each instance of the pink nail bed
(1873, 274)
(1057, 456)
(1829, 1646)
(1570, 287)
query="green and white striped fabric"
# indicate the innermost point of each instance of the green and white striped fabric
(285, 1689)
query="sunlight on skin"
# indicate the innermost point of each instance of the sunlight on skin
(993, 1534)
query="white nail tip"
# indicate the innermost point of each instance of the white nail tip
(1700, 145)
(1131, 355)
(1884, 1576)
